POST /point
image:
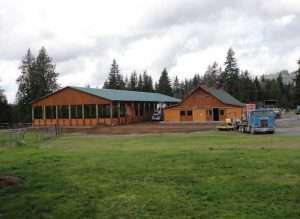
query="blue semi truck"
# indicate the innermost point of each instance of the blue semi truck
(258, 121)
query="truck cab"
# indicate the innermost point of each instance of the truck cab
(261, 121)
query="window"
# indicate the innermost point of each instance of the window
(76, 111)
(182, 113)
(90, 111)
(122, 110)
(190, 113)
(222, 112)
(115, 111)
(63, 112)
(104, 111)
(38, 112)
(141, 109)
(50, 112)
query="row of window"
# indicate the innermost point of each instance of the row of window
(76, 111)
(190, 112)
(89, 111)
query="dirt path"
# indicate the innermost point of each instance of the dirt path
(147, 127)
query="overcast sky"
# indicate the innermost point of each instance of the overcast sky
(184, 36)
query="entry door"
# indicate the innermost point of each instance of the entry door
(216, 114)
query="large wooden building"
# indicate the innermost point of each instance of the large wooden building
(78, 106)
(205, 104)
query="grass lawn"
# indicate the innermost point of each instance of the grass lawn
(198, 175)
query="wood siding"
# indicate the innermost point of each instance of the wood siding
(69, 96)
(201, 103)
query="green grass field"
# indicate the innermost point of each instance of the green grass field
(199, 175)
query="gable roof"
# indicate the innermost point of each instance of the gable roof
(222, 95)
(121, 95)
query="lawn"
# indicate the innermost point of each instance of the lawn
(198, 175)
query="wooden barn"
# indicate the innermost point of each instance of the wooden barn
(78, 106)
(205, 104)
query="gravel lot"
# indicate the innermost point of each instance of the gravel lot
(289, 124)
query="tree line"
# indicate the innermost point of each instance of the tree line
(239, 83)
(38, 77)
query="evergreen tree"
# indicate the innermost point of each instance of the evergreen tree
(140, 84)
(26, 80)
(257, 90)
(246, 87)
(38, 78)
(45, 73)
(230, 76)
(297, 86)
(147, 82)
(177, 88)
(212, 74)
(115, 78)
(4, 108)
(196, 81)
(164, 84)
(133, 81)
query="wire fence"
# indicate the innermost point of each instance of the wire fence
(21, 136)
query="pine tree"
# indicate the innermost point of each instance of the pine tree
(246, 87)
(257, 90)
(133, 81)
(4, 108)
(26, 79)
(212, 74)
(38, 78)
(147, 82)
(164, 84)
(230, 76)
(44, 71)
(115, 78)
(140, 84)
(297, 86)
(177, 90)
(196, 81)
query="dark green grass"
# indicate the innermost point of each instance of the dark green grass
(199, 175)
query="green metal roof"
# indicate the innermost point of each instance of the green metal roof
(223, 96)
(125, 95)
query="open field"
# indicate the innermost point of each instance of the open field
(197, 175)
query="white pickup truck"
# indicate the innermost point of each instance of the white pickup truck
(157, 115)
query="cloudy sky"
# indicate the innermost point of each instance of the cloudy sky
(83, 36)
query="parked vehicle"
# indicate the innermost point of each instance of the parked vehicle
(298, 109)
(273, 104)
(258, 121)
(157, 115)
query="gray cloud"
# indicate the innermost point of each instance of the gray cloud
(184, 36)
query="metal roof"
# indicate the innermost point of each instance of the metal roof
(125, 95)
(223, 96)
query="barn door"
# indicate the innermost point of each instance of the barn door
(216, 114)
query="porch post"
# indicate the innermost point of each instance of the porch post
(56, 112)
(69, 109)
(139, 110)
(44, 112)
(97, 112)
(144, 110)
(82, 111)
(119, 113)
(32, 113)
(111, 114)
